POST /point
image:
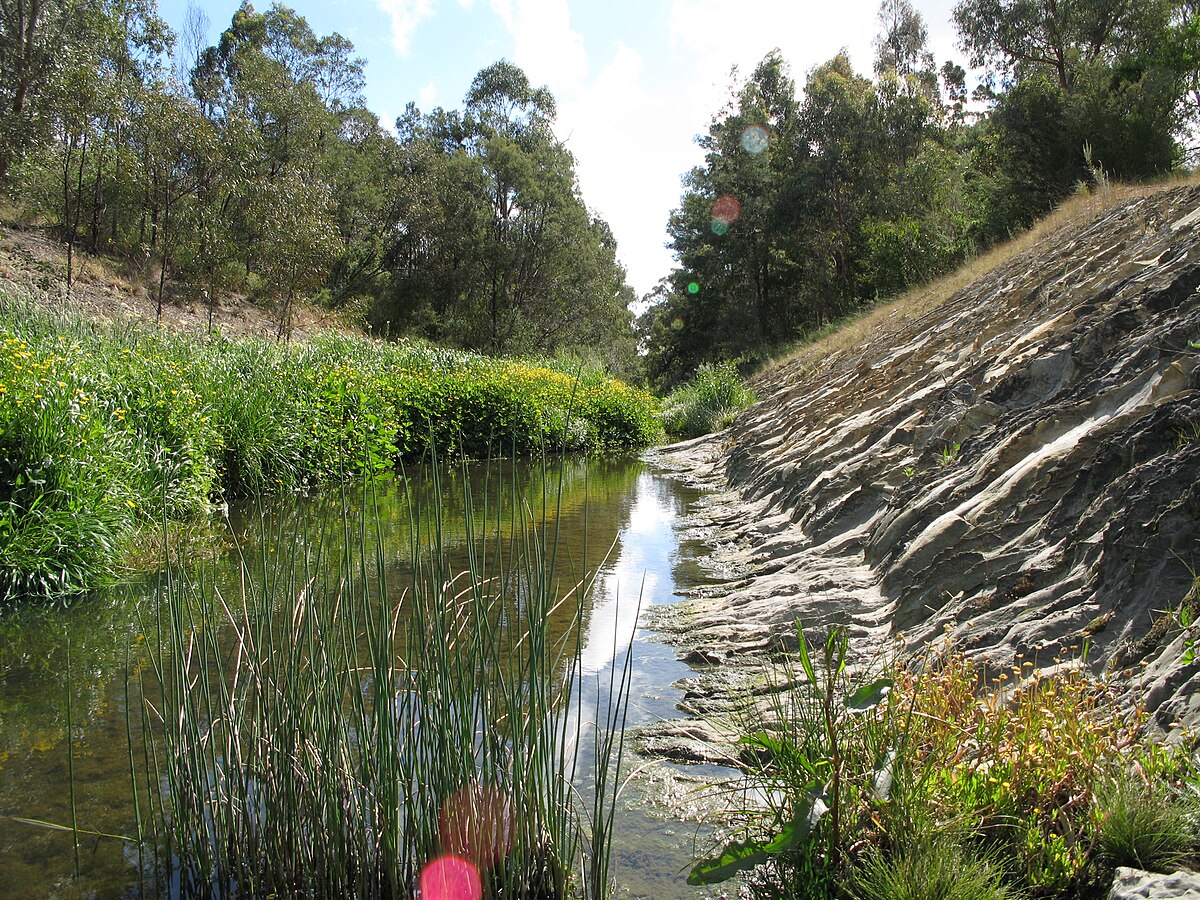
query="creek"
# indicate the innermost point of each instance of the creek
(616, 518)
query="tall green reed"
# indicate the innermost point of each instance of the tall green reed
(327, 731)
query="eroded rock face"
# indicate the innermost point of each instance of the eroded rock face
(1018, 468)
(1134, 884)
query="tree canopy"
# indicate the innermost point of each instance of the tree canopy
(255, 166)
(812, 204)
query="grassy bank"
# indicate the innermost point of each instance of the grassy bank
(105, 432)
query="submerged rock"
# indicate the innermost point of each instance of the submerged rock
(1017, 467)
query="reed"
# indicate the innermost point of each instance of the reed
(327, 732)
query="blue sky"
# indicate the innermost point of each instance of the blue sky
(635, 80)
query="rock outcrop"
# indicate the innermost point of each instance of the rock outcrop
(1018, 467)
(1134, 884)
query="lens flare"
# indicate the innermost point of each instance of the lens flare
(755, 139)
(725, 210)
(693, 289)
(677, 324)
(450, 878)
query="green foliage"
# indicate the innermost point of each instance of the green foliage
(107, 432)
(1144, 825)
(1015, 764)
(708, 402)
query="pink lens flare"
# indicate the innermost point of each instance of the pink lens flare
(450, 878)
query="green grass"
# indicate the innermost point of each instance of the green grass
(933, 869)
(1145, 826)
(707, 403)
(331, 733)
(106, 431)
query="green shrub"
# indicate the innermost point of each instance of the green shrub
(65, 468)
(709, 402)
(108, 431)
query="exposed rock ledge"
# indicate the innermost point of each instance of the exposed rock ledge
(1133, 884)
(1018, 468)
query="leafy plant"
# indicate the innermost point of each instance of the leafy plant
(708, 402)
(821, 767)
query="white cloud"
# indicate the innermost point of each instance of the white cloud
(406, 15)
(544, 43)
(427, 98)
(629, 135)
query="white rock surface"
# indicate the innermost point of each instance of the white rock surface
(1134, 884)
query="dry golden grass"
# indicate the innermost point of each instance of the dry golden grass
(1075, 212)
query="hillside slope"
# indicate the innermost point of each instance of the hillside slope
(33, 264)
(1017, 468)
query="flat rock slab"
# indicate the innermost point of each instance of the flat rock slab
(1132, 884)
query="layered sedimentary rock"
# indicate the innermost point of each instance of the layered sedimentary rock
(1017, 468)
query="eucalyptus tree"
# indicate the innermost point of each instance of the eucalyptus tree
(494, 248)
(108, 52)
(1084, 86)
(1020, 39)
(740, 263)
(807, 207)
(32, 35)
(281, 98)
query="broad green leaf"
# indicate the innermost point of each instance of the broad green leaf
(869, 696)
(739, 856)
(882, 776)
(805, 661)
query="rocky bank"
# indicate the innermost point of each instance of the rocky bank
(1016, 467)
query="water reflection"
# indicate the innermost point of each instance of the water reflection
(612, 517)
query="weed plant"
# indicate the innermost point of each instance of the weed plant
(328, 733)
(106, 431)
(709, 402)
(1017, 763)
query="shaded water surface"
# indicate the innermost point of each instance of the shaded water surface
(612, 518)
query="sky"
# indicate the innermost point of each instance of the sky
(636, 81)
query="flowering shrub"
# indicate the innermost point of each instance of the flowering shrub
(104, 432)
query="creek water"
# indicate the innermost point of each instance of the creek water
(73, 666)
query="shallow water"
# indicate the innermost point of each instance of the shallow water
(616, 518)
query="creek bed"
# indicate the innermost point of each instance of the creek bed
(615, 517)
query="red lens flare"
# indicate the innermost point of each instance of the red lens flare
(726, 209)
(451, 878)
